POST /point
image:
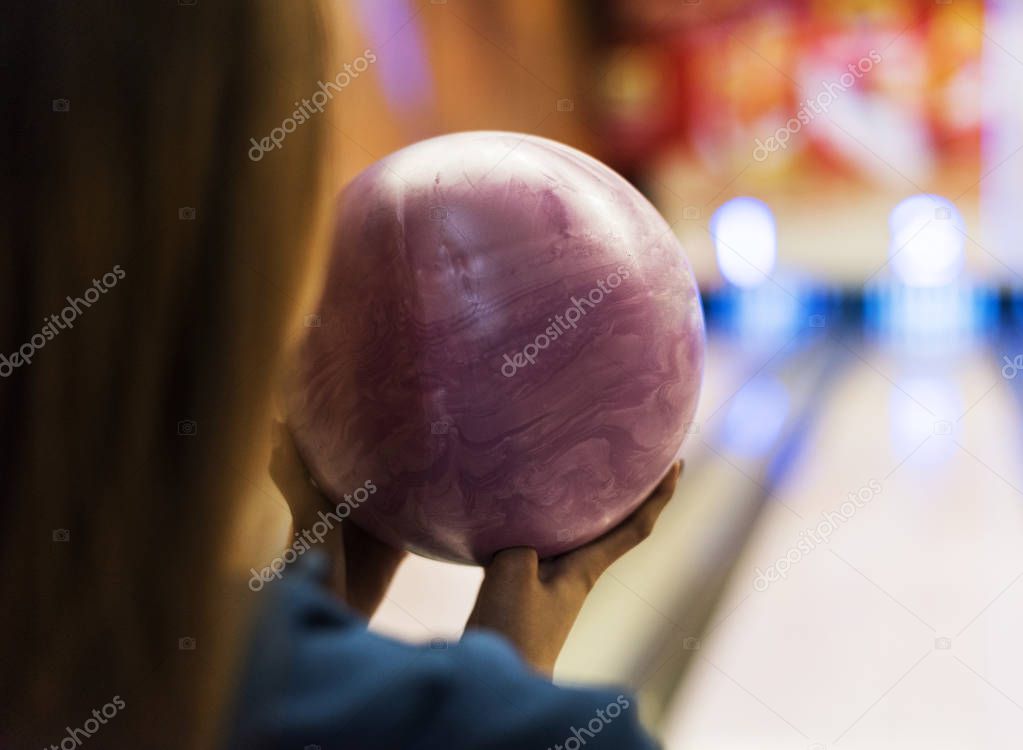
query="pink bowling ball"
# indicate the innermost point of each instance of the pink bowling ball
(508, 349)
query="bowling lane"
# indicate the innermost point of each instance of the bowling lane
(901, 628)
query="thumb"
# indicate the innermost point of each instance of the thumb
(588, 562)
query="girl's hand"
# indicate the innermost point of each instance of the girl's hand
(362, 566)
(533, 603)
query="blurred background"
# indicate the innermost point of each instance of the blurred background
(841, 566)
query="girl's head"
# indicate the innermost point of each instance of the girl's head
(154, 264)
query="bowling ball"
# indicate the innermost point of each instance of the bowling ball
(507, 351)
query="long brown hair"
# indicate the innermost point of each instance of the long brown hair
(152, 265)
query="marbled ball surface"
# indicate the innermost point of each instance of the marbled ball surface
(509, 348)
